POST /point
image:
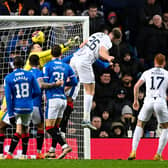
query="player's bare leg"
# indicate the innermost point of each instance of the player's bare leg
(89, 89)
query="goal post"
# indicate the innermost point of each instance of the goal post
(15, 38)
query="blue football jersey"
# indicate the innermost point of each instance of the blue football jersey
(38, 74)
(58, 70)
(20, 89)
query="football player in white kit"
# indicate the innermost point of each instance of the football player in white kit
(156, 80)
(96, 46)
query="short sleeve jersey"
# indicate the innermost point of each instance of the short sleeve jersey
(156, 80)
(95, 42)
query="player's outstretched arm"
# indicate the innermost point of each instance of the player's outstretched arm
(74, 41)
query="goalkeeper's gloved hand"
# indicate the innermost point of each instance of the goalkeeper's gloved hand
(12, 120)
(75, 41)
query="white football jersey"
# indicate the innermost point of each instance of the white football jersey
(91, 48)
(156, 80)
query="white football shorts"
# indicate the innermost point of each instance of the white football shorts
(37, 116)
(83, 69)
(158, 106)
(55, 108)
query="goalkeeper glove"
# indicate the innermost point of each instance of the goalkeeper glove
(75, 41)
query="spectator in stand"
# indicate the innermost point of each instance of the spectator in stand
(14, 7)
(117, 75)
(3, 9)
(81, 5)
(100, 132)
(53, 12)
(58, 5)
(151, 8)
(69, 11)
(31, 7)
(112, 20)
(96, 18)
(117, 130)
(130, 65)
(165, 19)
(128, 120)
(45, 9)
(29, 12)
(114, 107)
(151, 40)
(127, 82)
(106, 122)
(105, 29)
(23, 45)
(96, 122)
(103, 92)
(11, 45)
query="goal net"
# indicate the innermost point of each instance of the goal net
(15, 39)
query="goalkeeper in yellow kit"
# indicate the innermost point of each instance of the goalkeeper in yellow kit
(44, 56)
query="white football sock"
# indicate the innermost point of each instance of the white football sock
(87, 106)
(162, 141)
(136, 137)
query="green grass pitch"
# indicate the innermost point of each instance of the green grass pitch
(82, 164)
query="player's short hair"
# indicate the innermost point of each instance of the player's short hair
(160, 59)
(18, 62)
(34, 60)
(56, 51)
(117, 33)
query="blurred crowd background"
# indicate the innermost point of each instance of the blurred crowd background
(144, 25)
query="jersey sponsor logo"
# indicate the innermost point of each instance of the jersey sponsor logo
(19, 73)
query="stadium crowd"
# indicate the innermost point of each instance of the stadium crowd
(144, 26)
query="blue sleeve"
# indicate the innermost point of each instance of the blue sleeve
(45, 74)
(8, 95)
(67, 58)
(36, 88)
(73, 79)
(102, 64)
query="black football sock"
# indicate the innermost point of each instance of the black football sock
(25, 140)
(2, 138)
(40, 139)
(14, 142)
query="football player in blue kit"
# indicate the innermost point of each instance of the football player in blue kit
(56, 70)
(20, 89)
